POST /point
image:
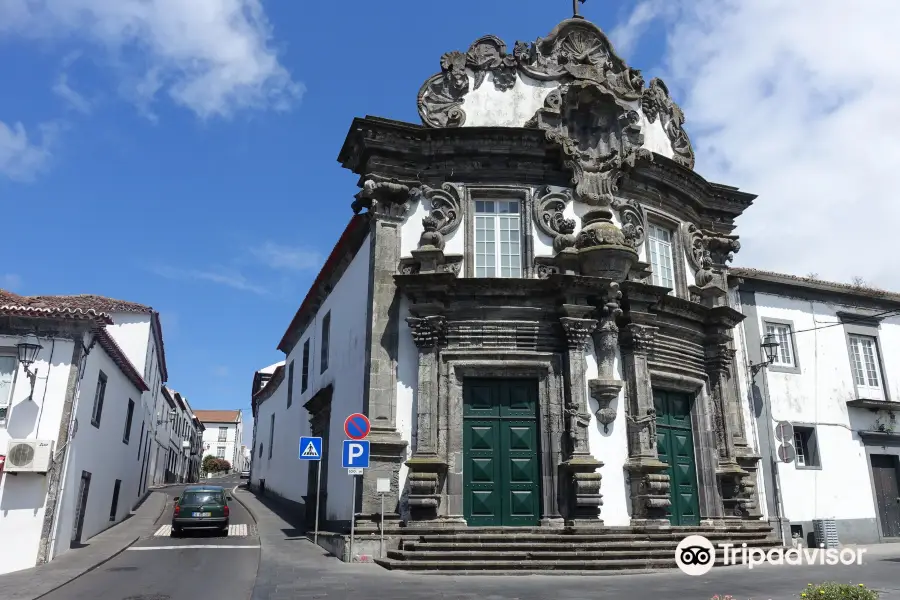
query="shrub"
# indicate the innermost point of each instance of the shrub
(838, 591)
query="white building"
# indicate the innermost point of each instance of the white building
(76, 414)
(223, 434)
(184, 439)
(834, 379)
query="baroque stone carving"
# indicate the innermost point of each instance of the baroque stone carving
(383, 197)
(576, 51)
(444, 216)
(429, 331)
(658, 104)
(441, 97)
(578, 331)
(631, 215)
(548, 216)
(637, 338)
(599, 136)
(707, 251)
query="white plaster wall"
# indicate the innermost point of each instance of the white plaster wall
(102, 452)
(285, 473)
(23, 496)
(489, 107)
(232, 441)
(840, 489)
(609, 448)
(132, 333)
(407, 395)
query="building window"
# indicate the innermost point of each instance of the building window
(660, 246)
(783, 334)
(290, 384)
(865, 363)
(8, 367)
(326, 334)
(129, 416)
(141, 442)
(304, 373)
(260, 449)
(220, 452)
(223, 434)
(99, 394)
(115, 500)
(498, 238)
(806, 445)
(271, 435)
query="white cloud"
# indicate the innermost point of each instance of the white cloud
(211, 56)
(796, 102)
(277, 256)
(62, 89)
(225, 277)
(21, 157)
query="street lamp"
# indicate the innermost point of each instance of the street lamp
(769, 347)
(28, 351)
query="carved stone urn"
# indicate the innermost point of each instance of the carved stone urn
(602, 248)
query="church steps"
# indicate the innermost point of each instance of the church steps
(536, 554)
(480, 566)
(515, 538)
(643, 545)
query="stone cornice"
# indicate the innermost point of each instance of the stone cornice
(413, 153)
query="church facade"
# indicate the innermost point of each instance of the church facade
(547, 340)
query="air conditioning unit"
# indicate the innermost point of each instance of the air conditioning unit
(186, 444)
(29, 456)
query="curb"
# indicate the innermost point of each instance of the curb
(246, 507)
(110, 557)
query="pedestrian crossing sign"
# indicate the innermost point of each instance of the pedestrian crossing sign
(310, 448)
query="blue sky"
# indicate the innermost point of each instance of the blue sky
(183, 154)
(219, 221)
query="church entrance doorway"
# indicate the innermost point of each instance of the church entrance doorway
(501, 469)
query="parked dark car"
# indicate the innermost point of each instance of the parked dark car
(201, 507)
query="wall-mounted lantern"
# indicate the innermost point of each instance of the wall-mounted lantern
(28, 350)
(769, 348)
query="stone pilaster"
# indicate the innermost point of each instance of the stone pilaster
(649, 481)
(585, 499)
(387, 204)
(729, 473)
(427, 469)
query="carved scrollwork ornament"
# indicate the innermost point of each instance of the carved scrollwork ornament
(445, 214)
(550, 219)
(631, 215)
(638, 338)
(612, 307)
(383, 197)
(656, 103)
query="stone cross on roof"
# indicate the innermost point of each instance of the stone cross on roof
(575, 7)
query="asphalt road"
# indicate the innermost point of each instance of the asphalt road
(197, 564)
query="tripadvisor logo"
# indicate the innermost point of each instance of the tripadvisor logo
(696, 555)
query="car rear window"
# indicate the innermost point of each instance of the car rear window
(203, 498)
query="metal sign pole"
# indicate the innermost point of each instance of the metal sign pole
(318, 500)
(382, 525)
(352, 519)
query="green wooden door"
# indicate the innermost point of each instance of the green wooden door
(501, 471)
(675, 445)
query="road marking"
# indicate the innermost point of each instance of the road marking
(240, 530)
(190, 547)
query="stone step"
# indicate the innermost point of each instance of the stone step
(556, 546)
(519, 567)
(576, 553)
(738, 537)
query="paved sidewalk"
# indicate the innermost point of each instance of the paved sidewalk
(292, 568)
(33, 583)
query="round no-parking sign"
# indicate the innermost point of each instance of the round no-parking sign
(357, 426)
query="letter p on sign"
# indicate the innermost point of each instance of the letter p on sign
(355, 454)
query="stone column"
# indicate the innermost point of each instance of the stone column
(584, 498)
(427, 469)
(387, 202)
(649, 481)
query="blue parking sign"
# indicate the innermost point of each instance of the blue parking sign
(355, 454)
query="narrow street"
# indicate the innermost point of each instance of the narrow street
(198, 564)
